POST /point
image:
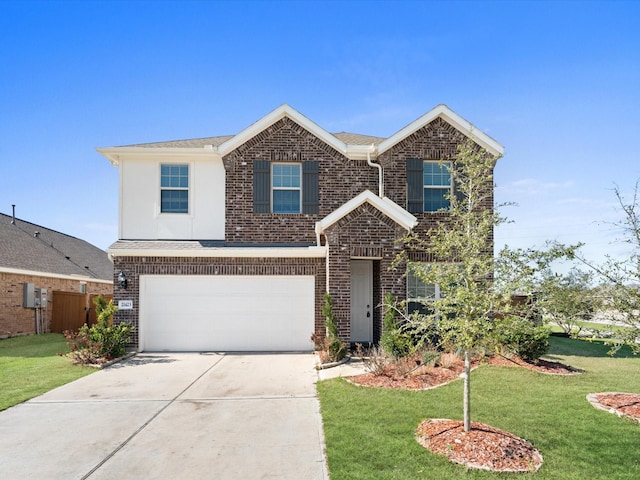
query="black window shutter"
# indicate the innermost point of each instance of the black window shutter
(310, 195)
(415, 186)
(261, 186)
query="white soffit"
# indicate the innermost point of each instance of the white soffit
(114, 154)
(385, 205)
(271, 118)
(223, 252)
(452, 118)
(354, 152)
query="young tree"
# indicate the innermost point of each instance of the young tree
(463, 266)
(461, 244)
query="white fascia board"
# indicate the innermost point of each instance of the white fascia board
(359, 152)
(385, 205)
(271, 118)
(452, 118)
(225, 252)
(399, 214)
(33, 273)
(114, 154)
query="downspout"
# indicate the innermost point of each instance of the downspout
(379, 167)
(318, 232)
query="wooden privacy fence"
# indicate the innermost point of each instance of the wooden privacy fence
(71, 310)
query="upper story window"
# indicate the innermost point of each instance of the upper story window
(174, 188)
(429, 185)
(437, 185)
(285, 185)
(286, 188)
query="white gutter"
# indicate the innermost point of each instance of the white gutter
(379, 167)
(223, 252)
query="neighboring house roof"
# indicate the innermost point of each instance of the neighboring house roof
(29, 247)
(352, 145)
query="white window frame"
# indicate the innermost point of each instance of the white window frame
(187, 188)
(436, 289)
(298, 189)
(446, 164)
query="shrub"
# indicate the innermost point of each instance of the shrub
(524, 339)
(102, 341)
(448, 360)
(395, 342)
(374, 359)
(333, 348)
(431, 356)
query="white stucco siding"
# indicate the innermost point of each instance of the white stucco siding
(140, 215)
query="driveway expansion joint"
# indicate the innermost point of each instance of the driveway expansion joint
(145, 424)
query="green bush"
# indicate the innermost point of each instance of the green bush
(334, 349)
(102, 341)
(394, 341)
(524, 339)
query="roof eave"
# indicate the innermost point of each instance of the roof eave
(391, 209)
(452, 118)
(276, 115)
(115, 154)
(223, 252)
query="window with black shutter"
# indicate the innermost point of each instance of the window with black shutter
(261, 186)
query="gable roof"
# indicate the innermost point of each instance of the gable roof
(352, 145)
(30, 247)
(453, 119)
(391, 209)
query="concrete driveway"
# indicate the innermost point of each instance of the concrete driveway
(169, 416)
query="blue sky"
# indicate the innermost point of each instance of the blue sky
(557, 83)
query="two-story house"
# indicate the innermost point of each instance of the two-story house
(229, 243)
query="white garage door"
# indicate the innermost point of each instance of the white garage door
(226, 313)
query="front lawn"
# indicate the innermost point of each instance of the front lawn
(370, 432)
(30, 366)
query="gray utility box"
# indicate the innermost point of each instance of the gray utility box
(33, 297)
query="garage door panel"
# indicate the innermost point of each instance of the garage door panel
(226, 313)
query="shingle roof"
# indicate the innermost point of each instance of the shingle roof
(26, 246)
(357, 139)
(348, 138)
(189, 143)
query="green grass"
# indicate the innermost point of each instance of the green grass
(370, 432)
(30, 365)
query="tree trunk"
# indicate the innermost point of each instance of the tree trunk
(467, 391)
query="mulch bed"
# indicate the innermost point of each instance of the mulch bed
(425, 378)
(542, 366)
(422, 379)
(625, 405)
(483, 447)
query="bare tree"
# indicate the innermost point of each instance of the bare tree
(621, 277)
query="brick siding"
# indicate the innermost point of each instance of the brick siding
(285, 141)
(133, 267)
(364, 233)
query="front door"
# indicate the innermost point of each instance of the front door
(361, 301)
